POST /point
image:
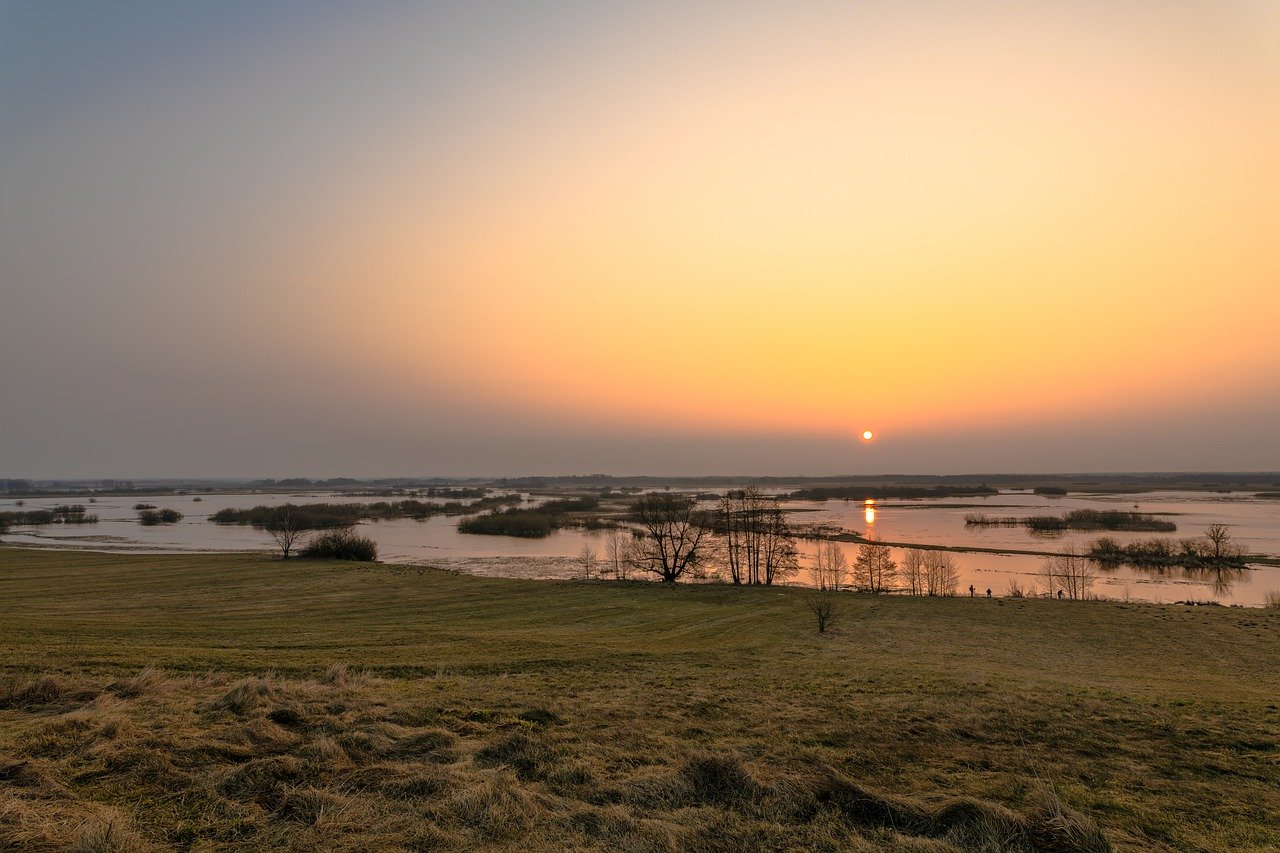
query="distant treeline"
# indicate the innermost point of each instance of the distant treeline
(325, 515)
(1052, 491)
(1132, 481)
(861, 493)
(1080, 519)
(1155, 480)
(345, 482)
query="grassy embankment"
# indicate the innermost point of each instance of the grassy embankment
(485, 714)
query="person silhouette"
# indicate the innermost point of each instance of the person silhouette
(971, 590)
(988, 592)
(1059, 595)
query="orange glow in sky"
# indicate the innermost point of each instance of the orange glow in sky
(1020, 218)
(707, 220)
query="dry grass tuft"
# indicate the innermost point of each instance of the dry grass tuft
(403, 781)
(245, 696)
(42, 692)
(530, 759)
(109, 836)
(1055, 827)
(31, 777)
(431, 744)
(265, 781)
(335, 675)
(147, 682)
(325, 754)
(497, 807)
(719, 779)
(308, 805)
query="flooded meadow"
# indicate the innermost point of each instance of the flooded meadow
(995, 557)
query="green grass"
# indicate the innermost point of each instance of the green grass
(168, 700)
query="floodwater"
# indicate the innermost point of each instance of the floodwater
(1254, 523)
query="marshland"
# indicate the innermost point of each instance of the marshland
(1140, 530)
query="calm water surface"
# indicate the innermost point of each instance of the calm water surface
(1254, 522)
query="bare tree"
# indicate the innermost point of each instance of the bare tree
(587, 558)
(757, 543)
(874, 570)
(286, 529)
(1219, 548)
(913, 571)
(1070, 573)
(940, 573)
(824, 608)
(830, 566)
(671, 536)
(731, 526)
(615, 551)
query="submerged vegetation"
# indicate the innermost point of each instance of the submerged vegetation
(1079, 519)
(537, 522)
(152, 517)
(61, 514)
(318, 516)
(202, 701)
(524, 523)
(1215, 549)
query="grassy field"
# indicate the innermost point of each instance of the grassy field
(211, 702)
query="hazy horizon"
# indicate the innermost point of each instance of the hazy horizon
(317, 239)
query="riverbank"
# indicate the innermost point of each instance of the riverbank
(176, 699)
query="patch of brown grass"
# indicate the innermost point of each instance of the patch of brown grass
(498, 715)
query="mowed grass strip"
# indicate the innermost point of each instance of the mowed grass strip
(614, 715)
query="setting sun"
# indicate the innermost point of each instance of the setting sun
(867, 435)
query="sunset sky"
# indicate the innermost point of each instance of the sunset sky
(484, 238)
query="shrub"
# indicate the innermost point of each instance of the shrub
(141, 507)
(344, 544)
(824, 608)
(525, 523)
(152, 517)
(1272, 600)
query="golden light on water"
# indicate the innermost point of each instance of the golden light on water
(869, 511)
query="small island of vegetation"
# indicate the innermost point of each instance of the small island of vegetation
(1214, 550)
(317, 516)
(540, 521)
(152, 517)
(1079, 519)
(62, 514)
